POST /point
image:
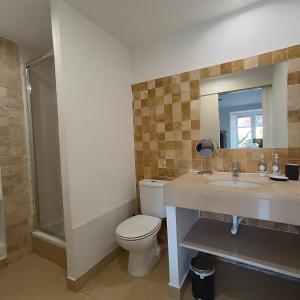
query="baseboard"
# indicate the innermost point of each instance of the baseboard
(49, 251)
(3, 263)
(78, 284)
(177, 293)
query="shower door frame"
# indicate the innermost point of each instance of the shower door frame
(48, 55)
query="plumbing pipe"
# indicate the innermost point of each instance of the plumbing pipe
(236, 221)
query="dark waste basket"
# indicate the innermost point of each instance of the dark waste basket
(202, 278)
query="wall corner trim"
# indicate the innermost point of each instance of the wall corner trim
(76, 285)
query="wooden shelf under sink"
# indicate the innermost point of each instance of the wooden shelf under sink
(264, 248)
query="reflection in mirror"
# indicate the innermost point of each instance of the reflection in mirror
(241, 110)
(241, 119)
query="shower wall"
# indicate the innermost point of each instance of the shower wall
(43, 105)
(14, 158)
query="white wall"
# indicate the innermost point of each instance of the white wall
(263, 29)
(248, 97)
(209, 117)
(93, 73)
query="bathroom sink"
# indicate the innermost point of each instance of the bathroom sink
(235, 184)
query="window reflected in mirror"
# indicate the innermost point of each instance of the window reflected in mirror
(240, 110)
(241, 119)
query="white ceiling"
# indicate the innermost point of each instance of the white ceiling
(27, 22)
(136, 21)
(130, 21)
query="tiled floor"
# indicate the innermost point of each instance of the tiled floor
(35, 278)
(115, 283)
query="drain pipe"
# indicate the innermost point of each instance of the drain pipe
(236, 221)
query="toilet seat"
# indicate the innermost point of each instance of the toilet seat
(138, 227)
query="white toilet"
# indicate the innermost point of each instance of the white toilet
(138, 234)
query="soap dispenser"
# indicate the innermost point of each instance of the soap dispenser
(262, 167)
(275, 164)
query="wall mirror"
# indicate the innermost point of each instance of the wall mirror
(246, 109)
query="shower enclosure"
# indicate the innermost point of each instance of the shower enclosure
(43, 119)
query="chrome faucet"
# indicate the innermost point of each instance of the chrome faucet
(235, 169)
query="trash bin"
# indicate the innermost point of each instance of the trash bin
(202, 278)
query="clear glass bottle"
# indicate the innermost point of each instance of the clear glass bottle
(275, 164)
(262, 166)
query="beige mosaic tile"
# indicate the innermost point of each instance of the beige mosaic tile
(265, 59)
(251, 62)
(294, 78)
(214, 70)
(294, 129)
(294, 97)
(294, 65)
(294, 52)
(279, 56)
(237, 65)
(177, 123)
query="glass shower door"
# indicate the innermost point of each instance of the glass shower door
(44, 120)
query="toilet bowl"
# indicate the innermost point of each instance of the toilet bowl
(138, 234)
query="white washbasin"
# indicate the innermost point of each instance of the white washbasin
(235, 184)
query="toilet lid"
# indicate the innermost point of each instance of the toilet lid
(138, 226)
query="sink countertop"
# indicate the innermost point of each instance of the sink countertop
(272, 200)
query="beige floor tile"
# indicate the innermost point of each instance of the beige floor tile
(35, 278)
(115, 283)
(47, 266)
(88, 297)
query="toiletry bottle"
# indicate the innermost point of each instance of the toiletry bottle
(275, 165)
(262, 167)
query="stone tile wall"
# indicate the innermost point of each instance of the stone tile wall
(14, 161)
(294, 103)
(167, 124)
